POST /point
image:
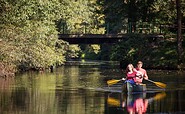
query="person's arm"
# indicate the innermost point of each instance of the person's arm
(131, 76)
(135, 70)
(145, 75)
(138, 73)
(125, 78)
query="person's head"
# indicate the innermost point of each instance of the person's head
(130, 67)
(139, 64)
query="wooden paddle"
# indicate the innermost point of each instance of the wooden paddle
(114, 81)
(160, 96)
(159, 84)
(113, 101)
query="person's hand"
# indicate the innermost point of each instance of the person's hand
(139, 75)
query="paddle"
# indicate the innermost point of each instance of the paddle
(159, 84)
(113, 101)
(114, 81)
(160, 96)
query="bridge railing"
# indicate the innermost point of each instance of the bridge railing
(131, 27)
(142, 27)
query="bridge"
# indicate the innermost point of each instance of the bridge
(144, 29)
(100, 38)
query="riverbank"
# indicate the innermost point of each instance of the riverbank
(9, 70)
(100, 63)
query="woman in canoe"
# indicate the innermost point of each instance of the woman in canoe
(132, 75)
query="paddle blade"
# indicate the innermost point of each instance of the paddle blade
(160, 96)
(111, 82)
(159, 84)
(113, 102)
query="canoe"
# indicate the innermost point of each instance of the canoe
(133, 88)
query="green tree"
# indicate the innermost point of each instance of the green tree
(81, 17)
(28, 30)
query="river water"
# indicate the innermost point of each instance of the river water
(82, 89)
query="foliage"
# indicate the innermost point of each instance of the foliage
(81, 17)
(90, 52)
(131, 50)
(28, 29)
(155, 54)
(118, 13)
(73, 52)
(152, 11)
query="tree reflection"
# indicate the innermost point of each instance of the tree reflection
(6, 93)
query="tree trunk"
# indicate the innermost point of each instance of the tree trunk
(179, 34)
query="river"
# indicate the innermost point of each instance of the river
(82, 89)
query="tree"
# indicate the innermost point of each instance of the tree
(179, 34)
(81, 17)
(28, 29)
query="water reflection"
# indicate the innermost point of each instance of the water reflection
(81, 90)
(133, 103)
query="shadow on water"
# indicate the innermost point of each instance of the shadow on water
(82, 89)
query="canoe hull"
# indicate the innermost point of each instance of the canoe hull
(133, 88)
